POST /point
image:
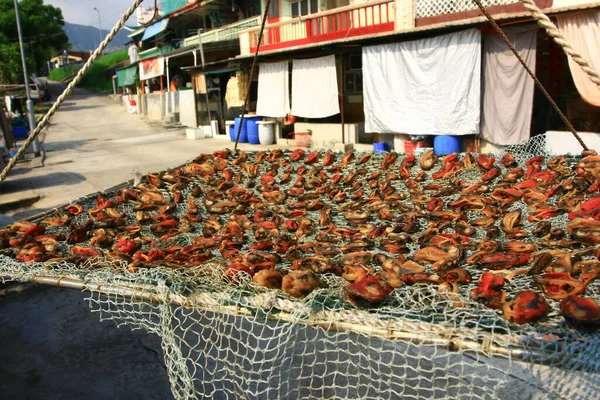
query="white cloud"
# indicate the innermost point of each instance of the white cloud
(82, 11)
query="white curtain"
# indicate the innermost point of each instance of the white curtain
(582, 30)
(273, 99)
(315, 88)
(424, 87)
(508, 89)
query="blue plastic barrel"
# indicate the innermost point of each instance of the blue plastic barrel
(232, 132)
(20, 132)
(444, 145)
(243, 132)
(252, 129)
(380, 147)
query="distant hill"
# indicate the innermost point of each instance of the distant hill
(86, 38)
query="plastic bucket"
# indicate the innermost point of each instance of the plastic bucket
(252, 129)
(243, 132)
(444, 145)
(380, 147)
(265, 132)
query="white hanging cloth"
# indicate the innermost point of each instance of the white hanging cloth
(273, 99)
(424, 87)
(507, 88)
(315, 88)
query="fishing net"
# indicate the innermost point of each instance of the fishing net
(225, 336)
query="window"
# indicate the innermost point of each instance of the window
(304, 7)
(274, 9)
(353, 84)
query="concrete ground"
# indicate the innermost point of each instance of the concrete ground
(52, 346)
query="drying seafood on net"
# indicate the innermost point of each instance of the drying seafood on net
(480, 231)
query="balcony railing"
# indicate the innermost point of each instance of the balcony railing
(433, 8)
(340, 23)
(227, 32)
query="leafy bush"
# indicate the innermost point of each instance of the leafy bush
(60, 74)
(97, 79)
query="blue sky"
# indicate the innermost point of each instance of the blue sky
(82, 11)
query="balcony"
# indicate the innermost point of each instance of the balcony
(228, 32)
(370, 18)
(340, 23)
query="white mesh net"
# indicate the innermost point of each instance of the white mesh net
(233, 338)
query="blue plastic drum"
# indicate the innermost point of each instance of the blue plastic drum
(252, 128)
(380, 147)
(444, 145)
(243, 132)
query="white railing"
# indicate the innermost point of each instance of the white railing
(227, 32)
(432, 8)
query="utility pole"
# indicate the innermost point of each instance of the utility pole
(30, 111)
(99, 25)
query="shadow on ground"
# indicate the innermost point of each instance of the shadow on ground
(42, 181)
(75, 107)
(64, 145)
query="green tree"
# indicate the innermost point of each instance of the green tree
(43, 36)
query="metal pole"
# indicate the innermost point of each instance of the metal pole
(342, 97)
(168, 75)
(200, 47)
(99, 24)
(30, 111)
(205, 75)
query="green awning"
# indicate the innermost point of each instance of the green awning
(126, 77)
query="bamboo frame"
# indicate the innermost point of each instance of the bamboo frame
(443, 338)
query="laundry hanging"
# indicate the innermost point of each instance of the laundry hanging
(232, 93)
(424, 87)
(582, 31)
(507, 88)
(315, 88)
(273, 99)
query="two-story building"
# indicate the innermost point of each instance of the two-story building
(354, 71)
(422, 67)
(169, 43)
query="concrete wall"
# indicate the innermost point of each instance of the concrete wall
(153, 106)
(328, 135)
(171, 107)
(187, 108)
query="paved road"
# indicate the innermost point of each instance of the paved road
(93, 144)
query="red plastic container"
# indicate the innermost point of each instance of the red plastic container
(410, 147)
